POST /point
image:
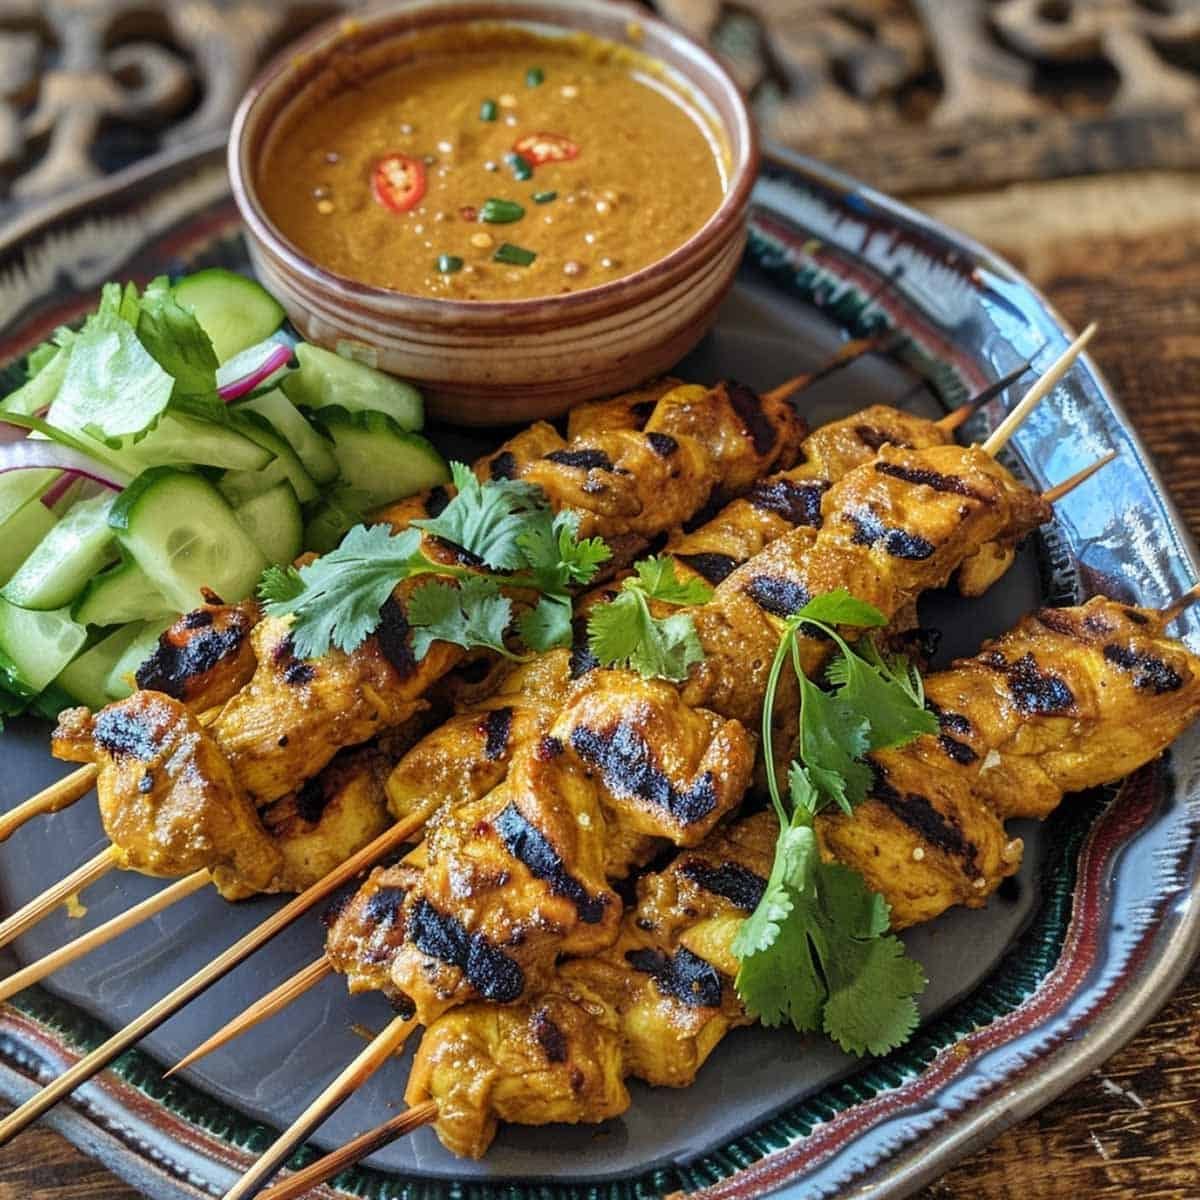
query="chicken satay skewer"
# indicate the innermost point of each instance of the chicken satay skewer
(99, 1058)
(308, 977)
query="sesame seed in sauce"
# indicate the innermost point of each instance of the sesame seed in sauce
(446, 147)
(508, 100)
(482, 240)
(572, 268)
(325, 207)
(332, 156)
(568, 91)
(406, 128)
(918, 853)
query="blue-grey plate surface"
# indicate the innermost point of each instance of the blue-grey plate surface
(1025, 996)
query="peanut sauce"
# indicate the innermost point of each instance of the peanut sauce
(498, 165)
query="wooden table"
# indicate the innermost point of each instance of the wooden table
(1123, 250)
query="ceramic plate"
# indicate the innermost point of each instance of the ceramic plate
(1067, 962)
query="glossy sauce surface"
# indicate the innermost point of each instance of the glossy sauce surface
(387, 178)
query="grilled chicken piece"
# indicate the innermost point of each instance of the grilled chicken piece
(333, 816)
(293, 716)
(366, 931)
(630, 410)
(168, 800)
(891, 530)
(205, 657)
(467, 756)
(648, 1006)
(522, 874)
(1071, 698)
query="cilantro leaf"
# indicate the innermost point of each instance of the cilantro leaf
(547, 624)
(839, 607)
(174, 339)
(833, 738)
(488, 519)
(556, 557)
(344, 590)
(472, 614)
(816, 952)
(657, 578)
(885, 700)
(624, 633)
(280, 584)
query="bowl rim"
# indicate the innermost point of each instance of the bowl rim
(740, 132)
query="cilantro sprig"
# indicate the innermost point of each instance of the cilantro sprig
(816, 951)
(506, 525)
(625, 633)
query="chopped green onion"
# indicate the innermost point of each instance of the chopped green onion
(447, 264)
(522, 168)
(544, 197)
(488, 110)
(515, 256)
(500, 212)
(535, 77)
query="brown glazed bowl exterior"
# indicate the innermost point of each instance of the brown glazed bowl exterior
(501, 362)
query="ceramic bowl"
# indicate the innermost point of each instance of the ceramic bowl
(500, 362)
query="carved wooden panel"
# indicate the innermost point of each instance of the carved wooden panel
(915, 94)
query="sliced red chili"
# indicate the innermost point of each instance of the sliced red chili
(399, 181)
(541, 148)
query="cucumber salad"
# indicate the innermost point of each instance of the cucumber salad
(176, 444)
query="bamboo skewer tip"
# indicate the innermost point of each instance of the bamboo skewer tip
(261, 1010)
(1042, 387)
(1180, 605)
(1068, 485)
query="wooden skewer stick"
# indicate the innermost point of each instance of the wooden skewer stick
(381, 1048)
(354, 1151)
(59, 795)
(1178, 607)
(1059, 490)
(63, 793)
(959, 416)
(845, 354)
(102, 934)
(1057, 369)
(274, 1001)
(44, 1100)
(41, 906)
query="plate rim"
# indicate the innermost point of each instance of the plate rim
(905, 1168)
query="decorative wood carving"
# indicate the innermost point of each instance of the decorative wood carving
(919, 94)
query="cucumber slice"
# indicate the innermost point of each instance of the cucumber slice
(241, 485)
(235, 312)
(21, 533)
(37, 394)
(379, 459)
(177, 527)
(63, 562)
(122, 593)
(274, 521)
(35, 646)
(181, 441)
(19, 487)
(85, 678)
(325, 379)
(313, 450)
(120, 681)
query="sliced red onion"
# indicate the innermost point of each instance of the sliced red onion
(250, 369)
(59, 488)
(36, 454)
